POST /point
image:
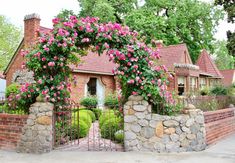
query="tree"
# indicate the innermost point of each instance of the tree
(229, 7)
(189, 21)
(10, 37)
(223, 59)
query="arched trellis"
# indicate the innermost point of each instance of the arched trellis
(54, 52)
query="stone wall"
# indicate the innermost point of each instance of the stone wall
(145, 131)
(219, 124)
(38, 131)
(11, 129)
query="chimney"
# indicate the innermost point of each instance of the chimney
(31, 27)
(159, 44)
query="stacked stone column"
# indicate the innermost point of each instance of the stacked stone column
(145, 131)
(38, 132)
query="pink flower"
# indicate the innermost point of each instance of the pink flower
(134, 93)
(40, 81)
(51, 64)
(131, 81)
(135, 66)
(43, 59)
(56, 20)
(55, 58)
(46, 49)
(85, 40)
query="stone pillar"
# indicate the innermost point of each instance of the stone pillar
(135, 112)
(144, 131)
(37, 135)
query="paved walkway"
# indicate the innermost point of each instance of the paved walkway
(93, 142)
(222, 152)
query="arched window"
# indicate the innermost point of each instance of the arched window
(91, 86)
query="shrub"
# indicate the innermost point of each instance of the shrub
(75, 132)
(219, 90)
(89, 102)
(119, 136)
(110, 127)
(90, 113)
(105, 116)
(97, 112)
(204, 91)
(111, 101)
(82, 117)
(12, 89)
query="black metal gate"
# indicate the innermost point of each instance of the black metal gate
(88, 129)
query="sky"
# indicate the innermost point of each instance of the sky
(15, 10)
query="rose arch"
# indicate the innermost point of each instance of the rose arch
(137, 70)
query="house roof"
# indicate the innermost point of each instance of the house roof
(207, 65)
(94, 63)
(229, 76)
(174, 54)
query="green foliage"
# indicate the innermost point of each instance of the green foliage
(97, 112)
(189, 21)
(205, 91)
(83, 116)
(105, 116)
(223, 59)
(111, 101)
(15, 104)
(14, 88)
(90, 113)
(229, 8)
(110, 127)
(231, 43)
(208, 105)
(219, 90)
(89, 102)
(75, 131)
(119, 136)
(10, 37)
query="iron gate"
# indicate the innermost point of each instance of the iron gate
(79, 129)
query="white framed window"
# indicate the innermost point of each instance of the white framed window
(193, 84)
(181, 85)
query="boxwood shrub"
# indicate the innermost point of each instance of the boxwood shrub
(110, 127)
(89, 102)
(97, 112)
(75, 131)
(90, 113)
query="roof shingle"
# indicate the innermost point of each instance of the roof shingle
(206, 65)
(229, 77)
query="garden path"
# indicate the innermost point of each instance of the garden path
(93, 142)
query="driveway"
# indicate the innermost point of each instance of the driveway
(222, 152)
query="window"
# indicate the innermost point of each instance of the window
(202, 82)
(181, 85)
(92, 86)
(193, 84)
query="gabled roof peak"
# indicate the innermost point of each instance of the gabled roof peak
(207, 65)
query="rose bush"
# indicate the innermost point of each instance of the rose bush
(137, 70)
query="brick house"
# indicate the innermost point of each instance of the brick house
(229, 77)
(187, 77)
(94, 74)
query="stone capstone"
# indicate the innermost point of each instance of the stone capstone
(170, 123)
(139, 108)
(44, 120)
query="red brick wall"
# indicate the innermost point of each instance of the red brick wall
(11, 129)
(219, 124)
(78, 90)
(16, 65)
